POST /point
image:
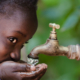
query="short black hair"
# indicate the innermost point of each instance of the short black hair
(17, 4)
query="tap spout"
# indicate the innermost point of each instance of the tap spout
(51, 48)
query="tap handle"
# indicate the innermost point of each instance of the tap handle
(54, 26)
(53, 35)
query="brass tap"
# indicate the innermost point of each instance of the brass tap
(52, 47)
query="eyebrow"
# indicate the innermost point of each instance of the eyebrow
(20, 33)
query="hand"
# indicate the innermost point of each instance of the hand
(10, 70)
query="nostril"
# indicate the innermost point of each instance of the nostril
(15, 59)
(12, 59)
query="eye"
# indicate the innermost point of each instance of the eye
(26, 42)
(13, 40)
(23, 44)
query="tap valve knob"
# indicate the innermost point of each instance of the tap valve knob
(53, 35)
(54, 26)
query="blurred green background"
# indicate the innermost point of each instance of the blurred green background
(67, 14)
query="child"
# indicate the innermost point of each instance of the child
(18, 23)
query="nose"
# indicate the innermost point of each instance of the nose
(15, 55)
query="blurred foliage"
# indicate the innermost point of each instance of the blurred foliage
(67, 14)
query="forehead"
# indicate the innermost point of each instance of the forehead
(19, 22)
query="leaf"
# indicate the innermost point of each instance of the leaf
(57, 11)
(71, 21)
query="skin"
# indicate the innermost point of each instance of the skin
(14, 32)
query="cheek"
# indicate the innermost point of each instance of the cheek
(4, 52)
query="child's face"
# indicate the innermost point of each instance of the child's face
(14, 32)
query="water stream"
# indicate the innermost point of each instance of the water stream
(32, 61)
